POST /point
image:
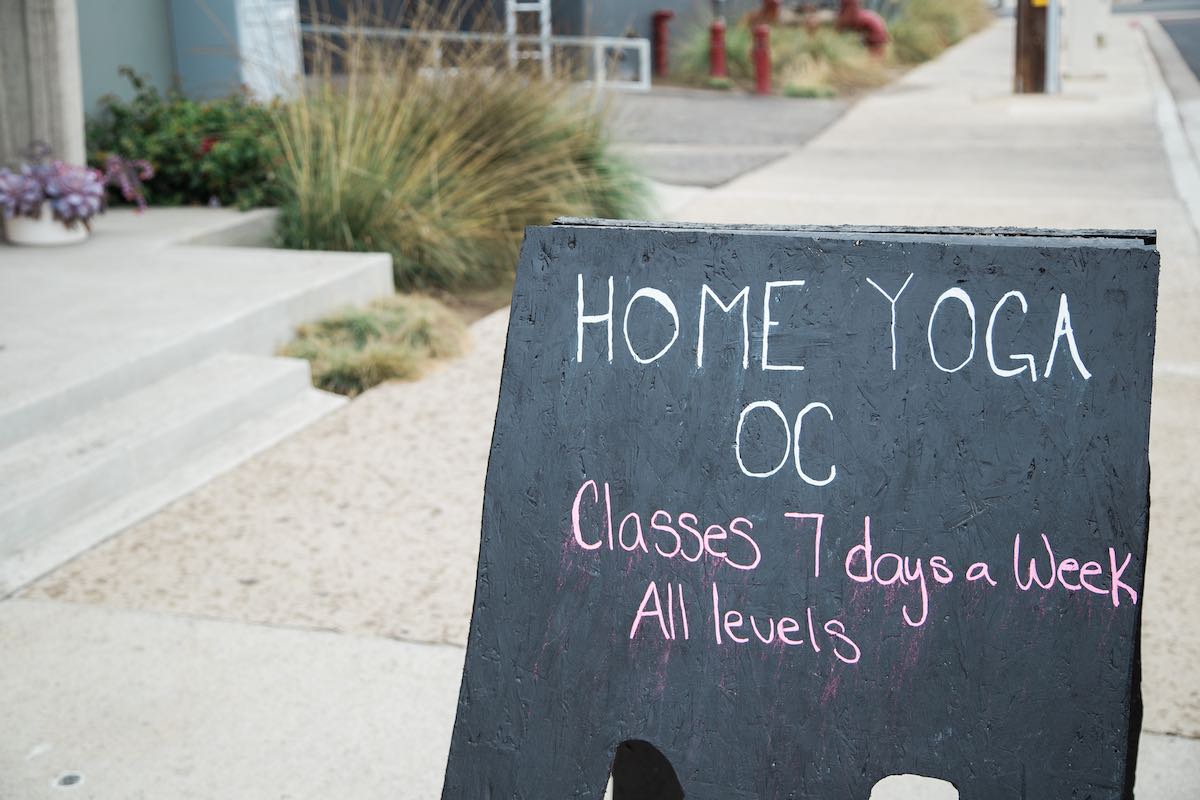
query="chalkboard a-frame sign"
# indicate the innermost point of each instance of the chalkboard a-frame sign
(803, 508)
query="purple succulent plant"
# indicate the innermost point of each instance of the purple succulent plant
(21, 194)
(76, 194)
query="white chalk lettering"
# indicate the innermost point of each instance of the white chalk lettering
(1063, 328)
(769, 323)
(892, 301)
(742, 297)
(965, 299)
(582, 319)
(659, 297)
(991, 353)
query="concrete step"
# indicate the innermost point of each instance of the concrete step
(66, 489)
(171, 293)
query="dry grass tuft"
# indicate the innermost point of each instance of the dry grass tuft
(357, 348)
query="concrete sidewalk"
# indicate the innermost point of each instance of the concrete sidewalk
(132, 695)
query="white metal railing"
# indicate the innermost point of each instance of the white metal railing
(600, 46)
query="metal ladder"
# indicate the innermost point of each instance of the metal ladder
(512, 10)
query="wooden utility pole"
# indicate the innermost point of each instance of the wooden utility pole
(1030, 73)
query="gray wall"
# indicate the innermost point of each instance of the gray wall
(40, 78)
(116, 33)
(615, 17)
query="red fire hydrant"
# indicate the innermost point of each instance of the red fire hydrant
(762, 58)
(716, 49)
(662, 40)
(854, 17)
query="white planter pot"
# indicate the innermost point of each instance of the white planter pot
(43, 231)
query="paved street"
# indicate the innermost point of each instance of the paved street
(294, 628)
(1184, 31)
(694, 137)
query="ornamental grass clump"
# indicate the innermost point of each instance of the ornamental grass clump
(393, 338)
(441, 163)
(925, 28)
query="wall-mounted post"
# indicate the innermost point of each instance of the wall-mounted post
(662, 40)
(716, 49)
(762, 59)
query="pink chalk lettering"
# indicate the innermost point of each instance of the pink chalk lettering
(1068, 565)
(770, 629)
(1034, 577)
(665, 528)
(1059, 571)
(888, 569)
(644, 610)
(682, 611)
(744, 535)
(710, 537)
(1086, 571)
(788, 626)
(820, 518)
(575, 515)
(730, 625)
(1117, 583)
(695, 533)
(812, 634)
(837, 630)
(941, 571)
(979, 571)
(897, 575)
(865, 549)
(716, 613)
(640, 541)
(917, 576)
(671, 610)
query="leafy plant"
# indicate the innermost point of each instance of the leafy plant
(214, 152)
(393, 338)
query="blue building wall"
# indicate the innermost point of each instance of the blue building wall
(116, 33)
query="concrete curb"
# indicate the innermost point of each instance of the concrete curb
(1177, 97)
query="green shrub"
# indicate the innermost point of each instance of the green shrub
(219, 149)
(393, 338)
(442, 169)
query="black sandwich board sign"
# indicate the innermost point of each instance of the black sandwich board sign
(803, 508)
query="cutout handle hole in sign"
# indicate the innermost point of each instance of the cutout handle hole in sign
(913, 787)
(641, 772)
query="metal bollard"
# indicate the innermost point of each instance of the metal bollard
(762, 58)
(662, 40)
(716, 49)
